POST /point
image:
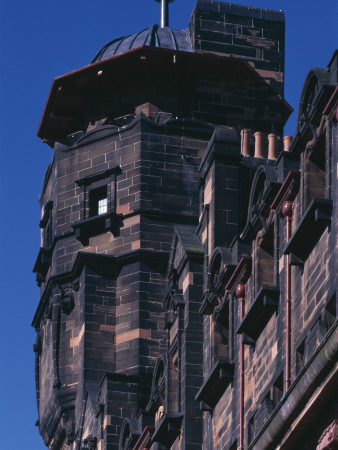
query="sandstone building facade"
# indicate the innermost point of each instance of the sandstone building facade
(187, 263)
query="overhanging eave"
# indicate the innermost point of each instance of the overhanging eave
(65, 106)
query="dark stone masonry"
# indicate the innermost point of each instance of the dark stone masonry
(187, 266)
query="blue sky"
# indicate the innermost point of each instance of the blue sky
(41, 40)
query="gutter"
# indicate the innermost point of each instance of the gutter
(322, 362)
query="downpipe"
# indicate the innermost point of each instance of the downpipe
(287, 212)
(240, 294)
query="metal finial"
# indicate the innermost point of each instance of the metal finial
(164, 12)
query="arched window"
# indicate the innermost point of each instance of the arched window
(218, 305)
(129, 434)
(217, 331)
(125, 437)
(264, 258)
(314, 171)
(260, 228)
(215, 270)
(261, 231)
(220, 333)
(313, 128)
(158, 404)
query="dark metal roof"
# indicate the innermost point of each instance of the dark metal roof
(153, 37)
(65, 106)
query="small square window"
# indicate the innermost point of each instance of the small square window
(98, 201)
(97, 205)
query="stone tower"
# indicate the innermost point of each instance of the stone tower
(164, 199)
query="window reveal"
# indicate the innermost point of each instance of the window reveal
(46, 225)
(220, 333)
(264, 258)
(98, 192)
(98, 205)
(314, 169)
(47, 234)
(98, 201)
(43, 260)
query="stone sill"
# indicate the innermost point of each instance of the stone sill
(43, 262)
(312, 225)
(263, 306)
(92, 226)
(219, 378)
(168, 429)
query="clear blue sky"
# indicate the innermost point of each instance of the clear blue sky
(40, 40)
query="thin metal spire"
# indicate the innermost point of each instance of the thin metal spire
(165, 12)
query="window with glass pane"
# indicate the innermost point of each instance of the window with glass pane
(98, 201)
(103, 206)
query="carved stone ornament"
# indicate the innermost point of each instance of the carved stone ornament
(159, 413)
(67, 301)
(218, 308)
(329, 438)
(47, 314)
(37, 347)
(90, 443)
(69, 427)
